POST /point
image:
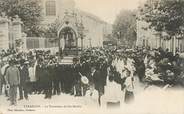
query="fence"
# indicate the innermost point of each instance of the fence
(37, 43)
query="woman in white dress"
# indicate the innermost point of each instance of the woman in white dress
(112, 96)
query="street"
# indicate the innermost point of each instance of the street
(153, 100)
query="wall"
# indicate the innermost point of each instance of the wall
(154, 39)
(94, 32)
(4, 33)
(95, 28)
(37, 43)
(10, 31)
(61, 7)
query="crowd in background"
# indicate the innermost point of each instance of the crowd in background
(97, 73)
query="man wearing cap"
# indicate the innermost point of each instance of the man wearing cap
(99, 86)
(77, 77)
(85, 71)
(24, 78)
(13, 80)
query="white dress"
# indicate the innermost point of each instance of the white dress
(91, 98)
(146, 61)
(112, 92)
(129, 84)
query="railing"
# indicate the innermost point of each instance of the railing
(37, 42)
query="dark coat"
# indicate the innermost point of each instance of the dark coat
(24, 75)
(98, 79)
(103, 71)
(46, 78)
(75, 71)
(85, 69)
(38, 72)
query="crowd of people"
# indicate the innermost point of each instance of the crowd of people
(97, 74)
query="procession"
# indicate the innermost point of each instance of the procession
(69, 54)
(93, 75)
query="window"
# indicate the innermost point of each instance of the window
(50, 8)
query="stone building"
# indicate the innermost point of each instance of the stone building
(76, 28)
(90, 30)
(4, 33)
(11, 33)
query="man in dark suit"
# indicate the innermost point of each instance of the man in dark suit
(77, 77)
(85, 71)
(103, 70)
(56, 79)
(38, 75)
(99, 82)
(46, 79)
(24, 79)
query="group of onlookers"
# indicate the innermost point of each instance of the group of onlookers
(99, 74)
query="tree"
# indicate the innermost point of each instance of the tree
(51, 31)
(28, 10)
(165, 16)
(124, 27)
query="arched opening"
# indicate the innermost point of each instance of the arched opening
(68, 42)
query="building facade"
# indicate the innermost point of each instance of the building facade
(10, 33)
(93, 28)
(76, 27)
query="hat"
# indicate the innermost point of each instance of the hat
(26, 62)
(84, 80)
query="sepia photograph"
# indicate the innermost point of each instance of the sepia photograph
(92, 56)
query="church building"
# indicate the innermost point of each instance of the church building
(77, 28)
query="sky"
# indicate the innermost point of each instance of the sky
(107, 9)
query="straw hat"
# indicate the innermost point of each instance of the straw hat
(84, 80)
